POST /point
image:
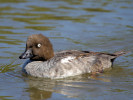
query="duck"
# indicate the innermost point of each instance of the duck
(43, 62)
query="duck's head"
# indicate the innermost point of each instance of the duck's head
(38, 47)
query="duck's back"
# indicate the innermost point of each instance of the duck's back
(73, 62)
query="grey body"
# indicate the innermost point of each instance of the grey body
(45, 63)
(69, 63)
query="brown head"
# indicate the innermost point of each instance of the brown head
(38, 47)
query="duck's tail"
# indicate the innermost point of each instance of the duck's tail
(120, 53)
(117, 54)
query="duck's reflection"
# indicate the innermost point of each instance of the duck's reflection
(42, 88)
(37, 94)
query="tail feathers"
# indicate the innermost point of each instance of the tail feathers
(117, 54)
(120, 53)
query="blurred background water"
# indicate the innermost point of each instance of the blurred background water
(96, 25)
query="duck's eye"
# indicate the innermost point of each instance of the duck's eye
(39, 45)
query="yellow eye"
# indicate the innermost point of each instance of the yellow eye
(39, 45)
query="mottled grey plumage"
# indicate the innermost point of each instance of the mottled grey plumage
(80, 63)
(65, 63)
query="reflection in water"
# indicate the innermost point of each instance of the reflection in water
(97, 10)
(48, 86)
(36, 94)
(8, 67)
(79, 86)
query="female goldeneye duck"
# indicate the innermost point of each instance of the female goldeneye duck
(44, 63)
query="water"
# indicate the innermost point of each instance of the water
(104, 26)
